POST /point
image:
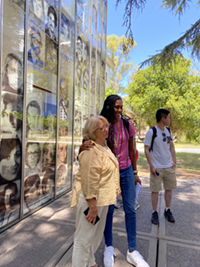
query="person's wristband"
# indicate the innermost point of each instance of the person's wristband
(135, 172)
(135, 175)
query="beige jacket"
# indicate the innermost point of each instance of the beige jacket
(97, 176)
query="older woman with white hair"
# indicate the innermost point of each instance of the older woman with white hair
(95, 188)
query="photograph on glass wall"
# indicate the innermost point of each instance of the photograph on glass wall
(33, 115)
(79, 62)
(48, 169)
(9, 202)
(51, 24)
(10, 160)
(12, 77)
(103, 69)
(86, 65)
(49, 118)
(37, 12)
(78, 117)
(65, 30)
(32, 187)
(63, 116)
(11, 115)
(61, 165)
(93, 72)
(94, 20)
(36, 47)
(10, 175)
(51, 53)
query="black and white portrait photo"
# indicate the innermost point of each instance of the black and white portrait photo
(34, 54)
(33, 155)
(32, 184)
(11, 121)
(10, 160)
(31, 190)
(9, 202)
(79, 61)
(12, 78)
(51, 25)
(65, 29)
(33, 112)
(61, 165)
(49, 155)
(48, 168)
(51, 56)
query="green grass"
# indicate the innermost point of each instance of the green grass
(187, 163)
(177, 145)
(186, 145)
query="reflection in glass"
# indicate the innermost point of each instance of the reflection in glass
(94, 20)
(50, 27)
(12, 78)
(36, 44)
(79, 62)
(86, 63)
(62, 165)
(51, 56)
(65, 30)
(38, 8)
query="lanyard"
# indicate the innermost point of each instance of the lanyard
(116, 142)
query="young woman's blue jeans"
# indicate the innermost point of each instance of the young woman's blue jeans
(127, 183)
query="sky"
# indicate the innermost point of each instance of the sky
(153, 28)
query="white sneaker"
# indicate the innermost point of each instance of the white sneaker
(108, 254)
(136, 259)
(137, 205)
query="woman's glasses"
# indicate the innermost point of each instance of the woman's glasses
(104, 127)
(164, 137)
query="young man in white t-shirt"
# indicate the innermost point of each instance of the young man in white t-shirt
(162, 161)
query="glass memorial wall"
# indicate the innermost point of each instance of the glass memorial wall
(52, 66)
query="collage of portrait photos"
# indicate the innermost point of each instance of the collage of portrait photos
(41, 102)
(11, 107)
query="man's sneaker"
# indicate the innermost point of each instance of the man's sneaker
(168, 215)
(154, 218)
(108, 254)
(136, 259)
(119, 203)
(137, 205)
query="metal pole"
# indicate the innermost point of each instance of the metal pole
(24, 107)
(57, 98)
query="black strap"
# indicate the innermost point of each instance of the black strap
(154, 136)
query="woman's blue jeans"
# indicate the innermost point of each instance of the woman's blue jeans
(127, 183)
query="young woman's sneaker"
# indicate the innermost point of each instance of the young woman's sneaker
(136, 259)
(109, 255)
(119, 203)
(137, 205)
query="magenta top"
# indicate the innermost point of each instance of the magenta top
(121, 143)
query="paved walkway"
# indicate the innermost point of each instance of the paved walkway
(46, 237)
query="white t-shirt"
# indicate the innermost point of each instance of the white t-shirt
(161, 155)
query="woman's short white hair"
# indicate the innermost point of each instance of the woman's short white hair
(91, 126)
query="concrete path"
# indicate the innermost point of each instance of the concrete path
(46, 237)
